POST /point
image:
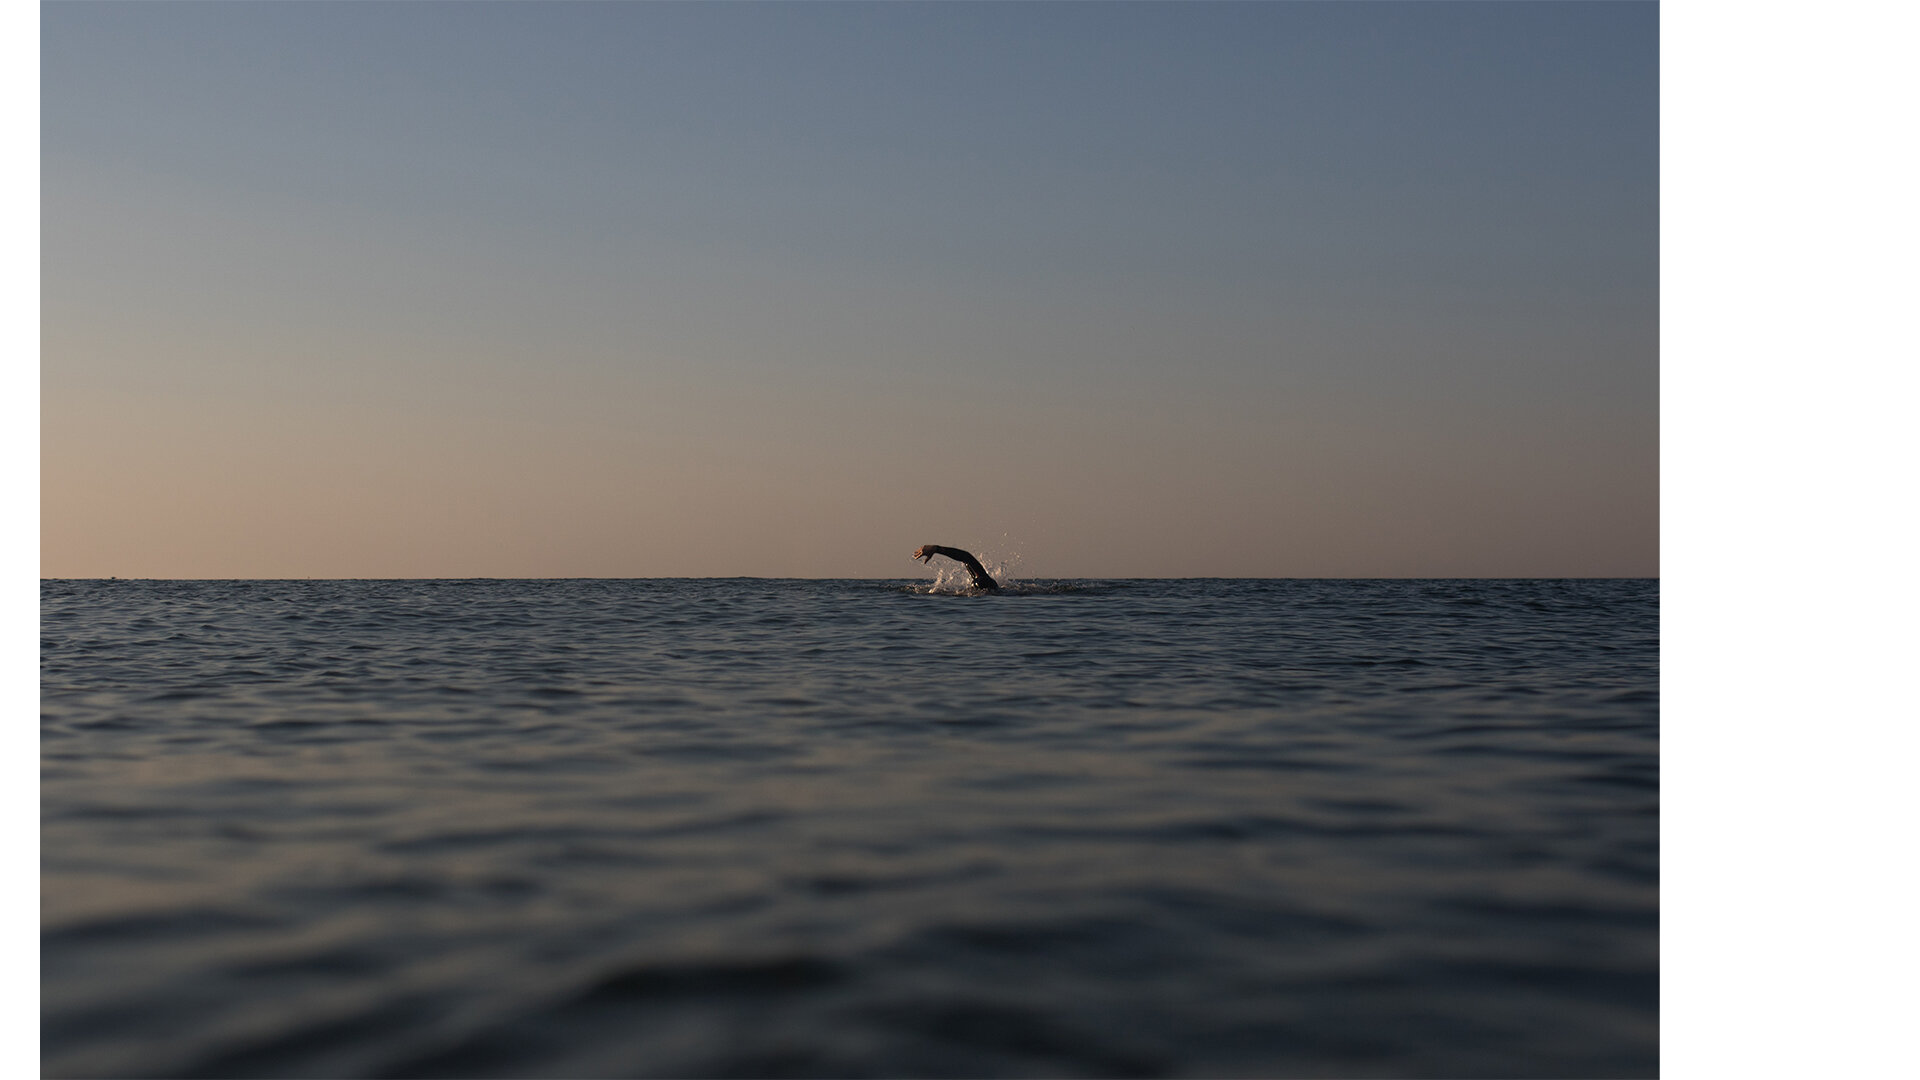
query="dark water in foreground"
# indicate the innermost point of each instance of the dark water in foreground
(746, 827)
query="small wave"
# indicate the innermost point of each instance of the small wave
(777, 975)
(152, 925)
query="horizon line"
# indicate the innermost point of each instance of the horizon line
(760, 577)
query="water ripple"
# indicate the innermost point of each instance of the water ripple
(744, 827)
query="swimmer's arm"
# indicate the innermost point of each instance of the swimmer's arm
(926, 552)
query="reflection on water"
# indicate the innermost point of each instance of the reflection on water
(747, 827)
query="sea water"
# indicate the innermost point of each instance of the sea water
(849, 828)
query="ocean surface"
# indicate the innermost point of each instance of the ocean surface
(757, 827)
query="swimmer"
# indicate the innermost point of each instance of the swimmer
(981, 580)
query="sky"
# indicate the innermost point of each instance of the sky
(604, 290)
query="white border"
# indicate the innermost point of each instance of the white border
(1787, 485)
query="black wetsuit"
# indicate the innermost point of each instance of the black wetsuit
(981, 579)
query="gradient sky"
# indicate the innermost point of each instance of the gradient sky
(448, 290)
